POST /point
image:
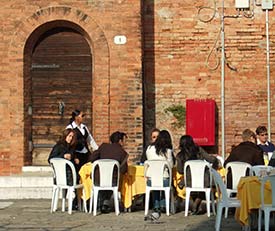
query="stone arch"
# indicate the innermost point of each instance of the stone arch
(27, 31)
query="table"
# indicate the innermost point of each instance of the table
(132, 183)
(249, 194)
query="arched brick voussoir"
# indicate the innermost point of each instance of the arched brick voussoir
(88, 27)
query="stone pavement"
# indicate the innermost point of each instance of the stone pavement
(34, 215)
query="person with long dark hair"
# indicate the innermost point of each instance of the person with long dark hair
(83, 137)
(64, 148)
(161, 149)
(191, 151)
(153, 136)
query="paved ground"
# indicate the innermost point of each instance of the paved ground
(35, 215)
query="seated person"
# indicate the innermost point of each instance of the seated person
(154, 134)
(247, 151)
(262, 136)
(161, 149)
(191, 151)
(65, 148)
(113, 150)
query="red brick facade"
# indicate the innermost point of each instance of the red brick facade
(162, 63)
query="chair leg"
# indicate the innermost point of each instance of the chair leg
(147, 198)
(70, 200)
(53, 199)
(218, 217)
(226, 213)
(91, 202)
(207, 196)
(63, 199)
(56, 199)
(259, 219)
(213, 203)
(115, 192)
(187, 198)
(95, 196)
(266, 220)
(167, 200)
(84, 200)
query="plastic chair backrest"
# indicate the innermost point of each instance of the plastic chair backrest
(197, 170)
(258, 169)
(220, 186)
(106, 170)
(270, 178)
(155, 169)
(238, 169)
(60, 173)
(221, 160)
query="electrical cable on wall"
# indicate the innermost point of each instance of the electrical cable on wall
(215, 48)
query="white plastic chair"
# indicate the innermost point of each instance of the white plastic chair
(197, 171)
(266, 208)
(59, 171)
(257, 170)
(221, 159)
(155, 170)
(223, 201)
(238, 169)
(106, 169)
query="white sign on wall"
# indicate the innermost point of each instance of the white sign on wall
(120, 39)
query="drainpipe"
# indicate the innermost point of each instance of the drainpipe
(222, 81)
(268, 75)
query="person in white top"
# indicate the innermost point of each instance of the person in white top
(161, 149)
(84, 138)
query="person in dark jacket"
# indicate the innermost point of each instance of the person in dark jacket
(247, 151)
(64, 148)
(191, 151)
(113, 150)
(262, 141)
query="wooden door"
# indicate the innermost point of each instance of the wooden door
(61, 76)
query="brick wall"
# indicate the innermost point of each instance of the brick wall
(181, 43)
(117, 82)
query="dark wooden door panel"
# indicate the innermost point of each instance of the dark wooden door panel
(61, 71)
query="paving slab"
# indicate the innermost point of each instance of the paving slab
(34, 215)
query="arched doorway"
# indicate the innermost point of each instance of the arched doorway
(57, 80)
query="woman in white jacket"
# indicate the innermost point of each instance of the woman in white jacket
(161, 149)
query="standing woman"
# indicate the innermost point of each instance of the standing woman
(161, 149)
(191, 151)
(83, 137)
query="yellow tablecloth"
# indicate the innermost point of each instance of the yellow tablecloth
(133, 183)
(85, 179)
(249, 193)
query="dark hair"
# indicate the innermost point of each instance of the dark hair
(163, 142)
(261, 129)
(188, 149)
(65, 133)
(117, 136)
(75, 113)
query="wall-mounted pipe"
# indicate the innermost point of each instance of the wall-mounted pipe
(268, 74)
(222, 81)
